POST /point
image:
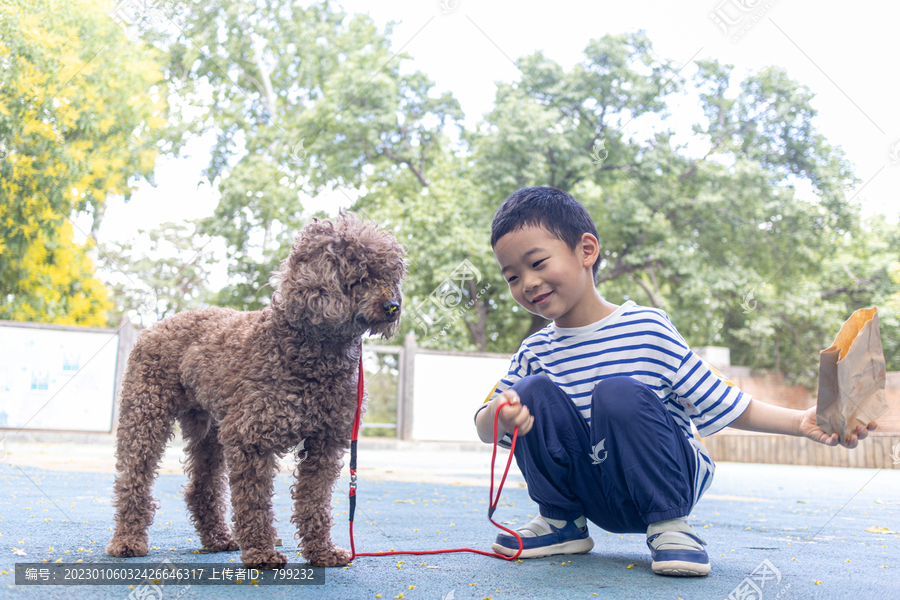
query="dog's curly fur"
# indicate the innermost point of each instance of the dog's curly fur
(248, 387)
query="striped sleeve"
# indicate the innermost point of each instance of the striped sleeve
(710, 399)
(518, 368)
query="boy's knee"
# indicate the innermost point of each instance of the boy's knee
(618, 397)
(533, 387)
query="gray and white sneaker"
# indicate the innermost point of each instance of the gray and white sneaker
(546, 537)
(676, 549)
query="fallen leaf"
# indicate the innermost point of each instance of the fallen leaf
(874, 529)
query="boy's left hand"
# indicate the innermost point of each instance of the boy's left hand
(810, 429)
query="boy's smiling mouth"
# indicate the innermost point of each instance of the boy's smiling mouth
(541, 299)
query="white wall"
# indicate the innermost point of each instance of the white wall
(57, 379)
(448, 391)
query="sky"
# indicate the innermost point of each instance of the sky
(845, 53)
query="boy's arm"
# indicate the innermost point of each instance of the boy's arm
(696, 381)
(767, 418)
(484, 423)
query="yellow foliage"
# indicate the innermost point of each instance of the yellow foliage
(59, 286)
(81, 108)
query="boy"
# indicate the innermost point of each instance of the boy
(604, 398)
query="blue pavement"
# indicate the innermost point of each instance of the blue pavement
(809, 522)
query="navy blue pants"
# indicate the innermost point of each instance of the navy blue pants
(643, 472)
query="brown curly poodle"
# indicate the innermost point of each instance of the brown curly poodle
(248, 387)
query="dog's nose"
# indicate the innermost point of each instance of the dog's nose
(391, 307)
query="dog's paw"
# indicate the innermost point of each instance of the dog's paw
(263, 559)
(222, 546)
(334, 557)
(126, 549)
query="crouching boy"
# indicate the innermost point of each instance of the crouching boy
(604, 398)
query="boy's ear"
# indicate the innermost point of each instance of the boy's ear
(590, 249)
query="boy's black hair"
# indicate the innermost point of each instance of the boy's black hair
(548, 207)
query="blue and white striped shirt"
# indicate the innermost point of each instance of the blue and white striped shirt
(642, 343)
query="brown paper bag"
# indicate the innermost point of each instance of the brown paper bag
(851, 377)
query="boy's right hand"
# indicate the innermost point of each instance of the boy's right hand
(514, 414)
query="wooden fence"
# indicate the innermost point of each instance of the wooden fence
(875, 452)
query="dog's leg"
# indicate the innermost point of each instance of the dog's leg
(252, 477)
(314, 478)
(145, 424)
(206, 492)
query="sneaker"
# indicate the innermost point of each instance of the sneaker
(676, 549)
(542, 538)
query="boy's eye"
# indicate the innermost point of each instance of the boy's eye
(538, 262)
(511, 279)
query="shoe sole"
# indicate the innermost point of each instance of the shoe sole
(570, 547)
(680, 568)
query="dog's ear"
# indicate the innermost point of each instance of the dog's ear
(309, 288)
(367, 243)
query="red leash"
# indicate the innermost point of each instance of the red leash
(492, 501)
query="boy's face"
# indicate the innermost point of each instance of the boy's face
(545, 277)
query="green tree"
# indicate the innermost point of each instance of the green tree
(171, 277)
(442, 226)
(308, 100)
(702, 237)
(304, 100)
(864, 272)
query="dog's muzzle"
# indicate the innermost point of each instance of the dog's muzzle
(391, 308)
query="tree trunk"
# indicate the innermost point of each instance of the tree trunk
(653, 299)
(266, 80)
(99, 212)
(267, 238)
(478, 329)
(93, 236)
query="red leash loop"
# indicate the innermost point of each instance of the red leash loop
(492, 501)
